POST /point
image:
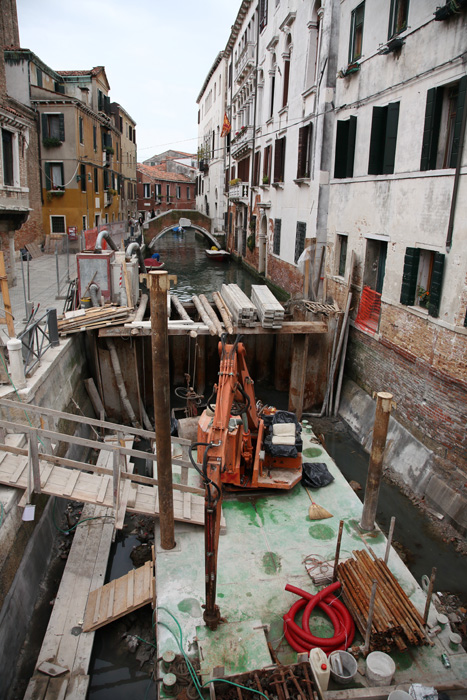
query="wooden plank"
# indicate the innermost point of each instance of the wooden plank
(19, 471)
(71, 482)
(105, 480)
(57, 688)
(187, 506)
(94, 396)
(37, 687)
(78, 687)
(287, 328)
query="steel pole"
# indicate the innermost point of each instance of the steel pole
(375, 468)
(158, 287)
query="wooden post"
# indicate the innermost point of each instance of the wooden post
(375, 468)
(34, 460)
(159, 285)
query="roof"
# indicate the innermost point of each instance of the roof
(237, 25)
(93, 71)
(158, 172)
(219, 58)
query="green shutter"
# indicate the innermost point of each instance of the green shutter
(302, 132)
(61, 127)
(351, 146)
(390, 141)
(434, 101)
(45, 126)
(299, 239)
(458, 123)
(378, 125)
(436, 284)
(48, 182)
(409, 276)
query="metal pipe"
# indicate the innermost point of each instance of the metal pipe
(129, 252)
(455, 187)
(159, 286)
(104, 235)
(375, 468)
(93, 290)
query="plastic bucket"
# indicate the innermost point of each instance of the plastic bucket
(343, 667)
(399, 695)
(380, 668)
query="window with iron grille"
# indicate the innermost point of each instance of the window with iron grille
(276, 246)
(57, 224)
(300, 239)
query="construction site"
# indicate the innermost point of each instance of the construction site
(126, 412)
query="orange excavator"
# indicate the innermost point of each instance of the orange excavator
(243, 447)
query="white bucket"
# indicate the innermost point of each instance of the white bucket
(380, 668)
(343, 666)
(399, 695)
(320, 666)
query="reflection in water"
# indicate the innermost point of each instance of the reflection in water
(184, 256)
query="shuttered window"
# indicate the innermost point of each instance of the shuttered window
(263, 14)
(304, 151)
(276, 247)
(96, 180)
(81, 129)
(443, 123)
(345, 147)
(54, 176)
(300, 235)
(53, 126)
(256, 168)
(422, 279)
(279, 160)
(383, 139)
(356, 32)
(398, 17)
(82, 174)
(7, 158)
(285, 92)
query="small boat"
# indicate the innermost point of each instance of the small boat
(215, 254)
(153, 264)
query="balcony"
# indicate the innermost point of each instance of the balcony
(242, 142)
(239, 192)
(245, 61)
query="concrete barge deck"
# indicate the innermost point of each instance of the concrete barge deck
(268, 536)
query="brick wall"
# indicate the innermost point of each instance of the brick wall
(431, 404)
(32, 230)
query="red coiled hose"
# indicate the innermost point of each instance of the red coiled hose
(300, 638)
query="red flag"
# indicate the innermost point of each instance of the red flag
(226, 127)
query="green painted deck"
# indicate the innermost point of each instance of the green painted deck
(268, 536)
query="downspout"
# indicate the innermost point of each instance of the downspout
(135, 247)
(93, 291)
(104, 235)
(455, 187)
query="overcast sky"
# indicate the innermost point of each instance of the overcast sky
(156, 53)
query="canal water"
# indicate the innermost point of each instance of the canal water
(184, 255)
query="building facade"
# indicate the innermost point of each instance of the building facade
(127, 160)
(212, 147)
(160, 191)
(398, 204)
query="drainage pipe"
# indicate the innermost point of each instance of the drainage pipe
(104, 235)
(375, 468)
(135, 247)
(93, 290)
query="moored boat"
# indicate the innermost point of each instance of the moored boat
(215, 254)
(153, 264)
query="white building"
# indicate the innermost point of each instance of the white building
(210, 196)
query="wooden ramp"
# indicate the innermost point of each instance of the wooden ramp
(99, 489)
(120, 597)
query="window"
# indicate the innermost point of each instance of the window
(178, 192)
(383, 139)
(94, 138)
(422, 279)
(356, 33)
(188, 193)
(84, 223)
(276, 245)
(300, 235)
(443, 122)
(341, 254)
(345, 147)
(267, 165)
(167, 192)
(39, 77)
(285, 91)
(263, 14)
(54, 176)
(57, 224)
(96, 180)
(157, 191)
(53, 126)
(398, 17)
(81, 132)
(256, 168)
(273, 89)
(106, 179)
(7, 157)
(279, 160)
(146, 190)
(304, 151)
(82, 177)
(375, 264)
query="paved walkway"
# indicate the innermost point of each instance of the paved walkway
(41, 281)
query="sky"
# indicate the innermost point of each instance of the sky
(156, 53)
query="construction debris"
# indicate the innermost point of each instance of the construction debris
(270, 311)
(96, 317)
(243, 311)
(396, 622)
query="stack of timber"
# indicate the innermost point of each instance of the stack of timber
(396, 623)
(244, 312)
(96, 317)
(270, 311)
